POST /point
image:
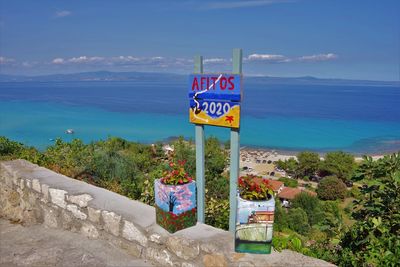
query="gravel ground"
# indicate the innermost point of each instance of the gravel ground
(39, 246)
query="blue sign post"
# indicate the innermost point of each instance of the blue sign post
(214, 99)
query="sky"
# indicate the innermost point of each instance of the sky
(348, 39)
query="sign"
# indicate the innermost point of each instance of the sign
(215, 99)
(215, 86)
(215, 112)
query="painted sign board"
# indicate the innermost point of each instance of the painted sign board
(215, 112)
(215, 86)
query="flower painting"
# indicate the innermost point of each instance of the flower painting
(175, 205)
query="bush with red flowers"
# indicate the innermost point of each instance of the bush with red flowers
(252, 187)
(177, 174)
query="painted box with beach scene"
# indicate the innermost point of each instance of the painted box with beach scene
(254, 226)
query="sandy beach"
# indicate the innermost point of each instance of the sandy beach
(260, 161)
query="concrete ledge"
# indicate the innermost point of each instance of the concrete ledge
(33, 194)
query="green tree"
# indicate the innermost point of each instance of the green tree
(280, 217)
(217, 183)
(340, 164)
(331, 188)
(365, 169)
(8, 147)
(289, 165)
(332, 224)
(215, 157)
(308, 164)
(311, 205)
(298, 221)
(374, 239)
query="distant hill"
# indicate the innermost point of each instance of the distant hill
(92, 76)
(168, 77)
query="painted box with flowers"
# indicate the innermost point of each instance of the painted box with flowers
(255, 215)
(175, 199)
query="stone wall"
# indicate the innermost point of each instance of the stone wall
(31, 194)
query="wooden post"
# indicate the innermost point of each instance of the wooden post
(200, 181)
(235, 152)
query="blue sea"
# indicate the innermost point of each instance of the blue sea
(357, 119)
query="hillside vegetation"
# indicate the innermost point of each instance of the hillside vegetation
(357, 225)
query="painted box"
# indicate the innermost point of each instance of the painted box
(175, 205)
(254, 226)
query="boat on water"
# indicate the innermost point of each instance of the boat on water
(69, 131)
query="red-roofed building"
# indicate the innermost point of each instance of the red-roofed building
(288, 194)
(277, 186)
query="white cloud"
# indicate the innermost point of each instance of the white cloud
(284, 59)
(58, 61)
(85, 59)
(63, 13)
(124, 59)
(268, 58)
(242, 4)
(319, 57)
(6, 60)
(214, 61)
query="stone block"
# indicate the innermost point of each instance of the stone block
(246, 264)
(156, 238)
(89, 231)
(28, 183)
(183, 248)
(80, 200)
(13, 198)
(15, 179)
(67, 220)
(210, 247)
(162, 257)
(50, 216)
(22, 184)
(111, 222)
(36, 185)
(132, 248)
(94, 215)
(76, 212)
(58, 197)
(214, 260)
(130, 232)
(45, 193)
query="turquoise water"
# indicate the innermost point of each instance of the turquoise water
(358, 119)
(36, 124)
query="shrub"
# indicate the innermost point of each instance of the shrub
(280, 218)
(8, 147)
(331, 188)
(289, 182)
(298, 221)
(310, 205)
(217, 213)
